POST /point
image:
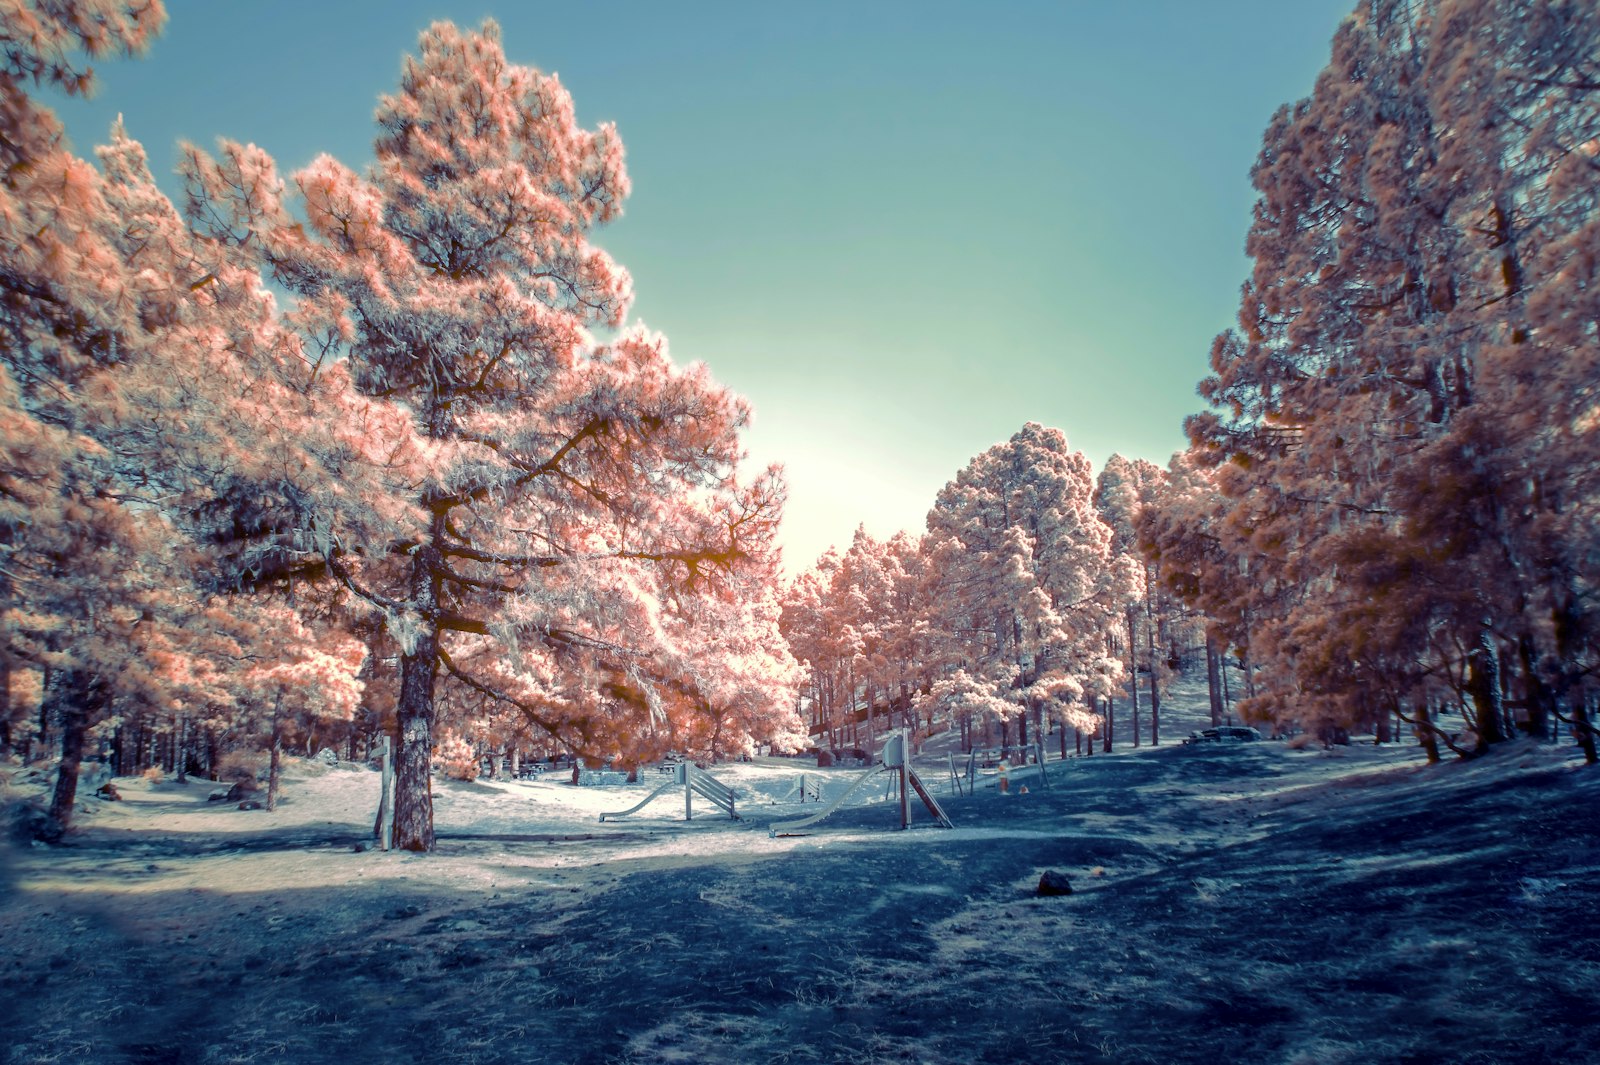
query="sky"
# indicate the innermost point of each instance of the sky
(900, 229)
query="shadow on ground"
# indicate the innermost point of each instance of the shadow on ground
(1437, 915)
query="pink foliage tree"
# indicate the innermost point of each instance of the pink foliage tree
(1404, 421)
(164, 436)
(573, 487)
(1024, 585)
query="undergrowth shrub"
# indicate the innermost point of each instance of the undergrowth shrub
(242, 768)
(455, 758)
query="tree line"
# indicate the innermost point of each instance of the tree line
(1026, 608)
(1387, 517)
(1394, 493)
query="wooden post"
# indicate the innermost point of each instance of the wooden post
(385, 814)
(688, 792)
(905, 796)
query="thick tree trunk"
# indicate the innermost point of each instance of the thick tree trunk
(413, 769)
(419, 671)
(1540, 698)
(1567, 618)
(76, 698)
(1483, 684)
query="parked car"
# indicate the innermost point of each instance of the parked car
(1225, 734)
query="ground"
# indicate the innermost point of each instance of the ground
(1249, 903)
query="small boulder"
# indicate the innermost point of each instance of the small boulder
(249, 804)
(230, 794)
(328, 756)
(1054, 883)
(108, 791)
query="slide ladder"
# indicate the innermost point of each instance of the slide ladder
(806, 789)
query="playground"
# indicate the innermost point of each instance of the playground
(1249, 903)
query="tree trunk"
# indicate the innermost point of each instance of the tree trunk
(1425, 733)
(1155, 690)
(1132, 615)
(1583, 731)
(1214, 676)
(77, 696)
(181, 758)
(1540, 699)
(419, 671)
(1483, 684)
(1567, 618)
(5, 703)
(7, 593)
(274, 764)
(48, 683)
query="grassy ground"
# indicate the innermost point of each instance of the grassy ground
(1246, 904)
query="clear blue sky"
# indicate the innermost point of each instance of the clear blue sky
(901, 229)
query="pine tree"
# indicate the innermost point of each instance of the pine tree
(1023, 586)
(1402, 391)
(574, 486)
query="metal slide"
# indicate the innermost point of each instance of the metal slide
(692, 780)
(675, 782)
(785, 827)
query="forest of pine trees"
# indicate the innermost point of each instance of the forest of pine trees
(310, 460)
(1388, 516)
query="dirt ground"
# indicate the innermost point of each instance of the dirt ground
(1241, 904)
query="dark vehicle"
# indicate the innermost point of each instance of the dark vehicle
(1225, 734)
